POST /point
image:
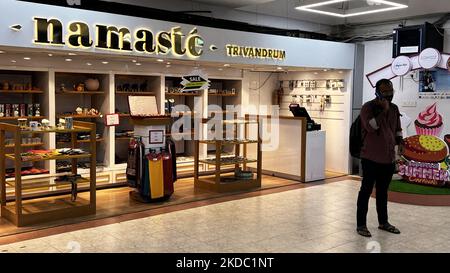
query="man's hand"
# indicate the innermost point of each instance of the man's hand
(384, 105)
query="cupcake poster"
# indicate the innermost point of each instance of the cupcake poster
(426, 158)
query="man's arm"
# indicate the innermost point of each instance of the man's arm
(370, 120)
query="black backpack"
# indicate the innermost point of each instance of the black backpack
(356, 139)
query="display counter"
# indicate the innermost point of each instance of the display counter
(293, 153)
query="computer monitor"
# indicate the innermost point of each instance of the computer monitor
(299, 111)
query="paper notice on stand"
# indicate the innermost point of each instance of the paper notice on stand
(143, 105)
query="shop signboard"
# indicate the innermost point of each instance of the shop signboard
(401, 66)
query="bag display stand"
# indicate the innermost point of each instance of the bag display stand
(151, 157)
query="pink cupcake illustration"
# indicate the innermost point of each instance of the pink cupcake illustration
(429, 122)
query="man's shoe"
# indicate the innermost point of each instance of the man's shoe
(389, 228)
(363, 231)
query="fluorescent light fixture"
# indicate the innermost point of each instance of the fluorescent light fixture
(310, 8)
(160, 60)
(72, 54)
(104, 62)
(168, 65)
(68, 60)
(50, 54)
(226, 65)
(1, 51)
(27, 58)
(89, 64)
(220, 69)
(138, 64)
(279, 68)
(13, 61)
(134, 61)
(315, 73)
(325, 70)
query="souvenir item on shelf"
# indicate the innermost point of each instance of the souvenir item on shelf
(68, 123)
(170, 147)
(119, 88)
(28, 86)
(62, 87)
(23, 110)
(22, 122)
(79, 110)
(143, 86)
(45, 124)
(92, 84)
(134, 87)
(30, 109)
(18, 86)
(2, 110)
(79, 87)
(37, 109)
(93, 112)
(61, 124)
(34, 125)
(5, 86)
(8, 109)
(126, 87)
(85, 111)
(15, 110)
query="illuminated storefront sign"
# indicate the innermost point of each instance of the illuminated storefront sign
(50, 32)
(255, 52)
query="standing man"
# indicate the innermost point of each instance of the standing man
(381, 131)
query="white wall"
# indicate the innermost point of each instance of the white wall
(335, 120)
(379, 54)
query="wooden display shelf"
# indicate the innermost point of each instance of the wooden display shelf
(224, 163)
(123, 138)
(76, 129)
(76, 116)
(82, 141)
(183, 94)
(26, 212)
(234, 141)
(56, 157)
(34, 212)
(26, 117)
(22, 91)
(222, 95)
(227, 183)
(45, 184)
(26, 145)
(71, 92)
(136, 93)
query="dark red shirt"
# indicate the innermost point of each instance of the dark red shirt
(380, 131)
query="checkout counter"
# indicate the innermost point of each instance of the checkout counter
(299, 151)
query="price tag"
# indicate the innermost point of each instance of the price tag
(112, 119)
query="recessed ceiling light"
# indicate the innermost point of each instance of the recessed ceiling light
(311, 8)
(226, 65)
(279, 68)
(68, 60)
(1, 51)
(168, 63)
(134, 61)
(88, 64)
(13, 61)
(160, 60)
(50, 54)
(138, 64)
(72, 54)
(315, 73)
(220, 69)
(27, 58)
(105, 62)
(325, 70)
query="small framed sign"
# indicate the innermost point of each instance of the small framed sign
(156, 136)
(112, 119)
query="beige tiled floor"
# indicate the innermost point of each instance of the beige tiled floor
(314, 219)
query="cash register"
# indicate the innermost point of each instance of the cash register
(299, 111)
